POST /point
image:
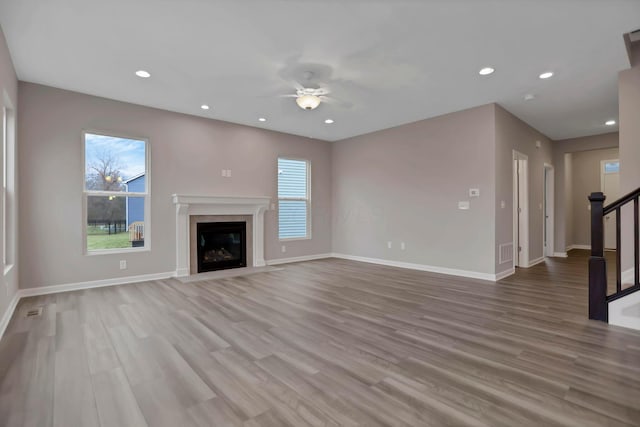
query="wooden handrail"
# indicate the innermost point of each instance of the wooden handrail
(598, 298)
(621, 201)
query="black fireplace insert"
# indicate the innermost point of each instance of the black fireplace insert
(221, 245)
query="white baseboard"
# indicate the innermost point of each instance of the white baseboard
(421, 267)
(560, 254)
(6, 318)
(587, 247)
(568, 248)
(506, 273)
(44, 290)
(297, 259)
(536, 261)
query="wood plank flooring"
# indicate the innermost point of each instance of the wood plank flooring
(323, 343)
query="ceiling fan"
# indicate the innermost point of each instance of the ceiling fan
(309, 98)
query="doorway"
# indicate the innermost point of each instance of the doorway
(520, 210)
(610, 186)
(548, 214)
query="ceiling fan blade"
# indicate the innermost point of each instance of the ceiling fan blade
(336, 101)
(297, 85)
(288, 96)
(321, 91)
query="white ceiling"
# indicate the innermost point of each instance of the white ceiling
(391, 61)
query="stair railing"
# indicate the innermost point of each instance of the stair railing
(598, 298)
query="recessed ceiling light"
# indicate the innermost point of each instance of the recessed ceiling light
(610, 122)
(546, 75)
(328, 121)
(486, 71)
(144, 74)
(262, 119)
(529, 97)
(204, 106)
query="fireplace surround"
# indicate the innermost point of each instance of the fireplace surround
(193, 209)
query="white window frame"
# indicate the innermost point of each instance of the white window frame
(147, 196)
(9, 211)
(307, 199)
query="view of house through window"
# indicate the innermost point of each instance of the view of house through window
(116, 192)
(293, 199)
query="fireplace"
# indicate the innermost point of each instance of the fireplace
(221, 245)
(191, 210)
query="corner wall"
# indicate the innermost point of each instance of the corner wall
(514, 134)
(403, 185)
(8, 95)
(187, 155)
(629, 114)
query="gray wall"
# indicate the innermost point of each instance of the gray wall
(629, 112)
(403, 185)
(514, 134)
(585, 180)
(564, 187)
(8, 88)
(187, 155)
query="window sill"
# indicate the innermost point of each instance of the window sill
(117, 251)
(293, 239)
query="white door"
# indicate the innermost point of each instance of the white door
(610, 181)
(520, 211)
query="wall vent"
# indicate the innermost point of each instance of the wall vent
(34, 312)
(505, 253)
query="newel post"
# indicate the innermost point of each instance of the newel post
(597, 264)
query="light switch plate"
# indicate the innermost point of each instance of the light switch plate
(464, 205)
(474, 192)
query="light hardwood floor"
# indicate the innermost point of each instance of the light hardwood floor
(323, 343)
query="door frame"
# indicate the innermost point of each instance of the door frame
(548, 213)
(521, 200)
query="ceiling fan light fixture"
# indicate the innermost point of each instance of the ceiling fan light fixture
(308, 102)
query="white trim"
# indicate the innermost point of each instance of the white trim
(535, 261)
(298, 259)
(520, 198)
(4, 322)
(568, 248)
(54, 289)
(506, 273)
(213, 205)
(587, 247)
(421, 267)
(560, 254)
(549, 209)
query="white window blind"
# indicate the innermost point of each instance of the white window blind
(293, 198)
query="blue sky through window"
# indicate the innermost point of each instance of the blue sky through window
(130, 153)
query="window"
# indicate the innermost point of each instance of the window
(8, 184)
(116, 190)
(611, 166)
(293, 199)
(5, 165)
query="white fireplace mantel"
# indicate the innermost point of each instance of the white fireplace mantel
(213, 205)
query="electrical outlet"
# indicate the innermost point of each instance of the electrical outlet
(402, 246)
(389, 244)
(224, 172)
(228, 173)
(283, 249)
(123, 264)
(474, 192)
